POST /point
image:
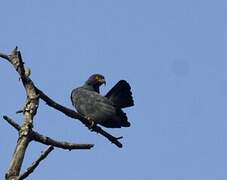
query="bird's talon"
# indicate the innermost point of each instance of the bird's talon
(92, 123)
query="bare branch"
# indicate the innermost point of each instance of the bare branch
(36, 163)
(12, 122)
(4, 56)
(75, 115)
(29, 112)
(26, 134)
(65, 110)
(60, 144)
(49, 141)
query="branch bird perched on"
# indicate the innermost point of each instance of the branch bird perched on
(104, 110)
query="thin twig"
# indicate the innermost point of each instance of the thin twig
(60, 144)
(4, 56)
(12, 123)
(35, 164)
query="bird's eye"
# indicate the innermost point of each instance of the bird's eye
(97, 78)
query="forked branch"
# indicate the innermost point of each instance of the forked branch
(47, 140)
(35, 164)
(26, 134)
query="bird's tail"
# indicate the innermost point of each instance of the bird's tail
(123, 118)
(118, 121)
(121, 95)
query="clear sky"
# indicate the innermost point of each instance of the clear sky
(173, 53)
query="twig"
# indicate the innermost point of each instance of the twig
(12, 123)
(4, 56)
(47, 140)
(35, 164)
(75, 115)
(60, 144)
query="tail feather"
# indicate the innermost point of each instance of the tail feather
(123, 118)
(118, 121)
(121, 95)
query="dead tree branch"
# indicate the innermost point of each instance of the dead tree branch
(26, 134)
(47, 140)
(12, 123)
(60, 144)
(30, 109)
(36, 163)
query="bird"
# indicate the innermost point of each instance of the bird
(104, 110)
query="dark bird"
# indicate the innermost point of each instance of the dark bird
(104, 110)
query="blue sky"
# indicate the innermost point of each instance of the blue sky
(173, 53)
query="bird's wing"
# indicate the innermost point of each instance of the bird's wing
(92, 104)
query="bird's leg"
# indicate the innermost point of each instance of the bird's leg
(92, 123)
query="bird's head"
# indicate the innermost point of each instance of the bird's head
(95, 81)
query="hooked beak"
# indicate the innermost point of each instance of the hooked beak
(103, 81)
